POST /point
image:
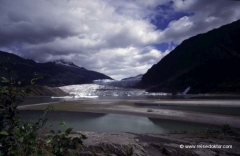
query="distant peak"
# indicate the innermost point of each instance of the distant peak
(65, 63)
(134, 77)
(62, 61)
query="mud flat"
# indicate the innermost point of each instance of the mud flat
(129, 107)
(149, 144)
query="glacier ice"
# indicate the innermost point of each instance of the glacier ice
(96, 90)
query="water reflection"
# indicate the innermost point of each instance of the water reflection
(170, 126)
(112, 122)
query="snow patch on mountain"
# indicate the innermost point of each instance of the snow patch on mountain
(65, 63)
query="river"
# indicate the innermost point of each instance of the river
(98, 122)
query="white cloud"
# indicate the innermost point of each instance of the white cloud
(183, 5)
(94, 34)
(113, 37)
(120, 62)
(206, 15)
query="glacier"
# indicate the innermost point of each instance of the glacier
(107, 91)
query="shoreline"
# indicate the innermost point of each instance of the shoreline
(120, 144)
(127, 108)
(150, 144)
(37, 104)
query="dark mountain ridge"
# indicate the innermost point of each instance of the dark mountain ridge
(208, 63)
(57, 73)
(133, 77)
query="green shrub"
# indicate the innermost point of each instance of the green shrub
(18, 137)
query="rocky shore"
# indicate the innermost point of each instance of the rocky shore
(129, 144)
(132, 144)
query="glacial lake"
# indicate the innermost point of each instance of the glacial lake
(113, 122)
(126, 123)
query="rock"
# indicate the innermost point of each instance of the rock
(204, 152)
(125, 144)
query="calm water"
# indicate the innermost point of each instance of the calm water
(125, 123)
(113, 122)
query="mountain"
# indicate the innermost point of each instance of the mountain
(129, 82)
(208, 63)
(65, 63)
(138, 77)
(57, 73)
(37, 90)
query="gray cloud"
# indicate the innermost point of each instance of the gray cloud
(27, 23)
(207, 15)
(113, 37)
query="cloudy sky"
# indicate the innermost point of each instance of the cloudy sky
(119, 38)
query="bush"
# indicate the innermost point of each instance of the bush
(18, 137)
